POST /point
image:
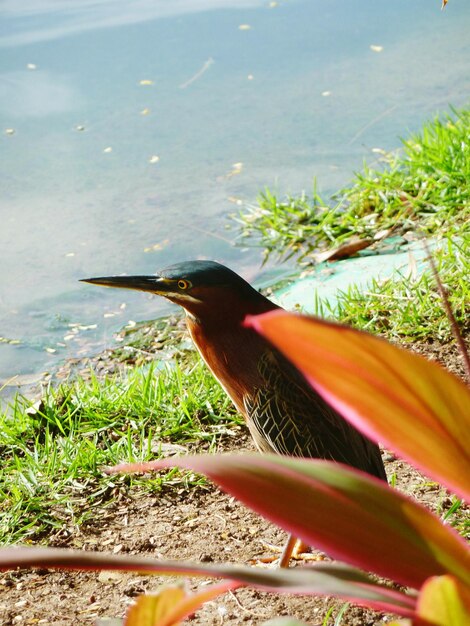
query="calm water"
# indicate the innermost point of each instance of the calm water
(122, 121)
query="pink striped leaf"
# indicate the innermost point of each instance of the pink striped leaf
(319, 579)
(350, 515)
(397, 397)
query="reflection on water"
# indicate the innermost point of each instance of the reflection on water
(131, 129)
(43, 20)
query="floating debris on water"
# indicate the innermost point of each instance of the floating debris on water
(11, 342)
(108, 150)
(376, 48)
(146, 82)
(198, 74)
(154, 159)
(10, 131)
(235, 200)
(237, 169)
(156, 247)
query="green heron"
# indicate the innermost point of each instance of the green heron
(283, 413)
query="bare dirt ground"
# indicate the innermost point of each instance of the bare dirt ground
(200, 524)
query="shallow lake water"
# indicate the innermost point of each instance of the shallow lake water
(131, 130)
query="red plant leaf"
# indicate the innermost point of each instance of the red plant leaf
(319, 579)
(347, 513)
(411, 404)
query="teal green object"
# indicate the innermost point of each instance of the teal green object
(330, 278)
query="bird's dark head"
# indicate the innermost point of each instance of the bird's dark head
(200, 287)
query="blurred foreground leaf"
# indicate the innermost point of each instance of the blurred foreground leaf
(350, 515)
(172, 605)
(444, 602)
(412, 405)
(320, 579)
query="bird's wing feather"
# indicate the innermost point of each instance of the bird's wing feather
(288, 417)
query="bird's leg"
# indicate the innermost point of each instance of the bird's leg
(293, 549)
(288, 551)
(298, 550)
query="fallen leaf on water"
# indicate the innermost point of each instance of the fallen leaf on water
(12, 342)
(157, 246)
(237, 169)
(235, 200)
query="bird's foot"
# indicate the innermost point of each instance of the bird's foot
(278, 557)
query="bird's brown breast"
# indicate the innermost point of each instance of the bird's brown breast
(232, 354)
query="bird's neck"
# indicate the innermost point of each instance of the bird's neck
(230, 350)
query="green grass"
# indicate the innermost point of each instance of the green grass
(408, 307)
(424, 186)
(53, 455)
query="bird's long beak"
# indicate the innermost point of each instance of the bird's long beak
(154, 284)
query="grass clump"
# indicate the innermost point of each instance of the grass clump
(424, 186)
(54, 452)
(407, 306)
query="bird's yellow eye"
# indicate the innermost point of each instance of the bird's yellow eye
(183, 284)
